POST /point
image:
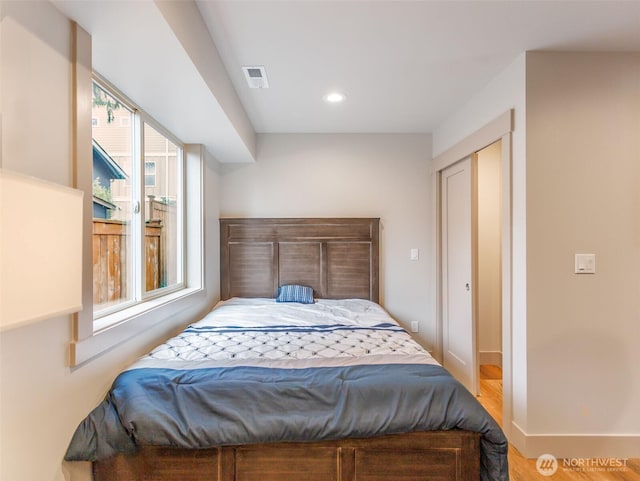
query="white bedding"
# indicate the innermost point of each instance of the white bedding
(262, 332)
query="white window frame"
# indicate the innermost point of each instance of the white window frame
(106, 317)
(90, 338)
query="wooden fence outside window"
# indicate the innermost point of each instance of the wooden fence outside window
(111, 251)
(110, 255)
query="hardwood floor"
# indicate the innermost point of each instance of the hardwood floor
(523, 469)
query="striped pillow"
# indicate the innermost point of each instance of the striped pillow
(295, 293)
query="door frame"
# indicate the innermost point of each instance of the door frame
(500, 128)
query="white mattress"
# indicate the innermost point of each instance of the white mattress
(262, 332)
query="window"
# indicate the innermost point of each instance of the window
(138, 207)
(149, 173)
(121, 194)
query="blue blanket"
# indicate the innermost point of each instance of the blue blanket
(203, 408)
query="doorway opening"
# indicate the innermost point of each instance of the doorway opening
(500, 129)
(489, 258)
(471, 265)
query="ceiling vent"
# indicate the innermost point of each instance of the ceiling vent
(256, 77)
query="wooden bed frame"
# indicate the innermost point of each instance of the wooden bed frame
(338, 257)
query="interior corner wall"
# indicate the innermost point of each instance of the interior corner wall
(211, 238)
(42, 400)
(583, 196)
(351, 175)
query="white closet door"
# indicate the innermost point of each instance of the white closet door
(458, 326)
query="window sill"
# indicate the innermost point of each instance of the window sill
(123, 325)
(125, 315)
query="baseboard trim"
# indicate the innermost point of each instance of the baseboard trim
(575, 445)
(490, 357)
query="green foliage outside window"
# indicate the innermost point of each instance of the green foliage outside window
(100, 191)
(103, 99)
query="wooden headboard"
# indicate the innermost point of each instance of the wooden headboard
(337, 257)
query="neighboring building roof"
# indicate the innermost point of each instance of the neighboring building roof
(110, 165)
(104, 203)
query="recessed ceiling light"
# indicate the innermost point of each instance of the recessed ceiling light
(334, 97)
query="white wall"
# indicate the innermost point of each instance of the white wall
(350, 175)
(41, 399)
(489, 253)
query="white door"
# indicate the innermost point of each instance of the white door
(459, 353)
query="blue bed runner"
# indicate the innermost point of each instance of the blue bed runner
(203, 408)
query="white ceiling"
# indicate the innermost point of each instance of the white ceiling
(404, 66)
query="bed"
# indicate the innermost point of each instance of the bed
(329, 389)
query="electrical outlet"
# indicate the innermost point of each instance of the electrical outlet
(415, 326)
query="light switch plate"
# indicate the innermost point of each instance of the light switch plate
(585, 264)
(414, 255)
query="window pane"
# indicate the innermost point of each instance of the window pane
(150, 174)
(112, 244)
(163, 246)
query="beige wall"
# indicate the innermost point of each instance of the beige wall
(489, 253)
(41, 399)
(575, 178)
(351, 175)
(34, 140)
(583, 196)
